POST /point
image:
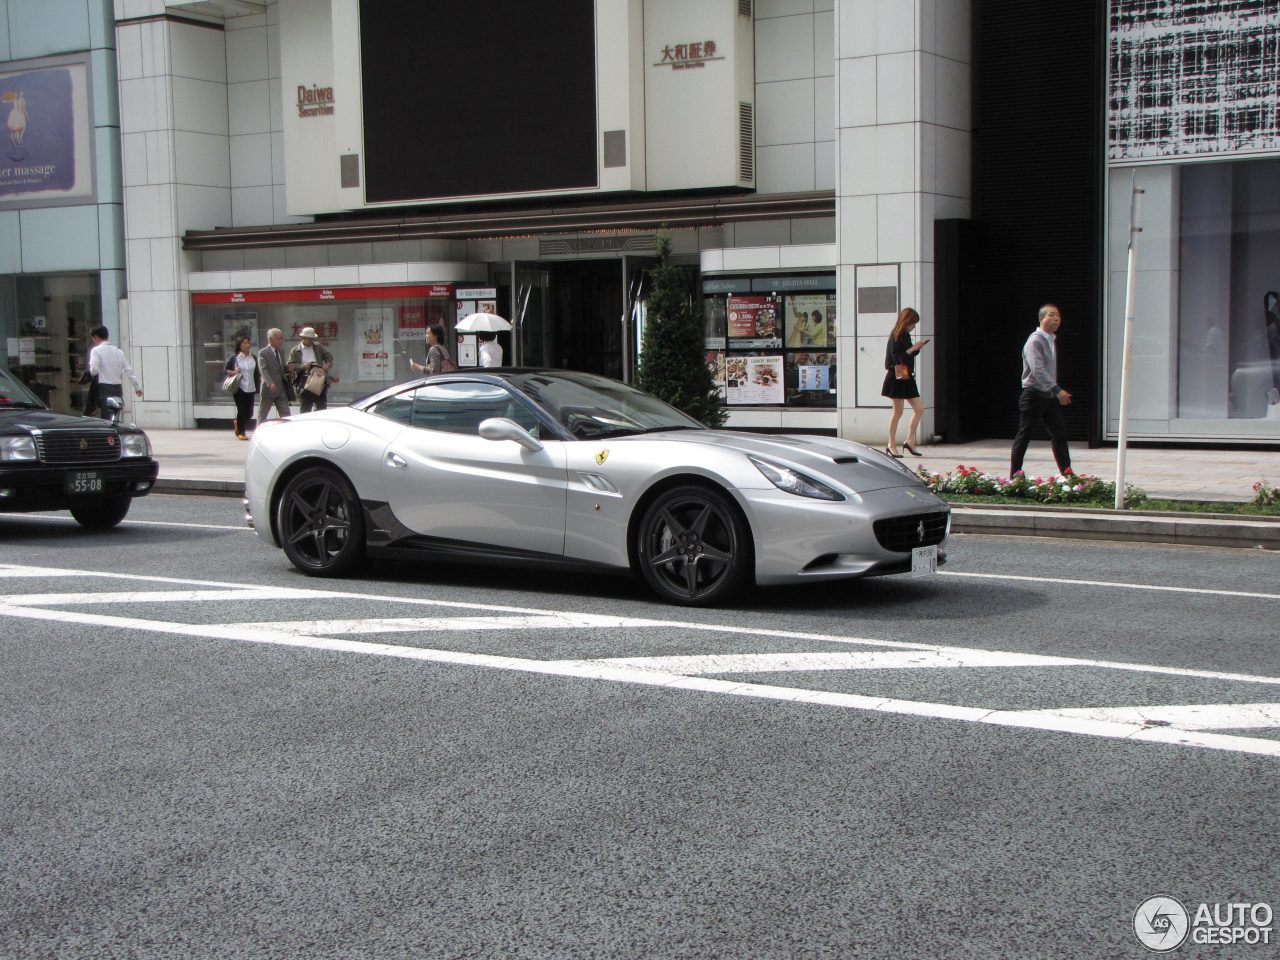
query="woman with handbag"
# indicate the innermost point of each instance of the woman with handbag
(243, 366)
(900, 380)
(438, 359)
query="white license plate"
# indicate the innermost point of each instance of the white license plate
(924, 561)
(84, 481)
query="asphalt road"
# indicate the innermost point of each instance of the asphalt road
(206, 754)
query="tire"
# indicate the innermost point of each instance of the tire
(101, 514)
(694, 547)
(321, 523)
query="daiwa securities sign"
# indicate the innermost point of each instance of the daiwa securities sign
(45, 148)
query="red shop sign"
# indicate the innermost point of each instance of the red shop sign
(318, 294)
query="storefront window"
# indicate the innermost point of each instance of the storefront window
(1229, 291)
(45, 322)
(371, 332)
(771, 341)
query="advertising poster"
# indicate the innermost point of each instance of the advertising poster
(413, 324)
(45, 146)
(373, 343)
(242, 323)
(753, 322)
(465, 355)
(807, 319)
(753, 380)
(716, 364)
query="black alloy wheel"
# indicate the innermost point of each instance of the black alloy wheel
(694, 547)
(101, 514)
(320, 523)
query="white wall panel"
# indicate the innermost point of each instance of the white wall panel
(201, 159)
(251, 160)
(199, 106)
(896, 88)
(247, 55)
(785, 169)
(197, 53)
(785, 112)
(857, 86)
(252, 205)
(784, 49)
(248, 108)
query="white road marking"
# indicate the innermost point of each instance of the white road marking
(1194, 716)
(1145, 724)
(1113, 584)
(142, 523)
(444, 624)
(874, 660)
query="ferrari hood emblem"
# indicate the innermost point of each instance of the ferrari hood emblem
(601, 457)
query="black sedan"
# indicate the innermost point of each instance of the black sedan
(54, 461)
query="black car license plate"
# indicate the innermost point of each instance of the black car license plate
(84, 481)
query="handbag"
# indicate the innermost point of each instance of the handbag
(231, 382)
(901, 371)
(315, 381)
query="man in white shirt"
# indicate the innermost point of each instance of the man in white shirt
(108, 363)
(1042, 398)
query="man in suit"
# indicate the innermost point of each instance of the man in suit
(276, 389)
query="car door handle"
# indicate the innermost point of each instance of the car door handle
(395, 460)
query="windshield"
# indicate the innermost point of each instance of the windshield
(589, 406)
(14, 394)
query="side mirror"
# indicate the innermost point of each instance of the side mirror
(114, 403)
(500, 428)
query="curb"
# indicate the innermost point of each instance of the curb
(1198, 530)
(1079, 523)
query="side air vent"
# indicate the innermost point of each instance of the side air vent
(746, 143)
(744, 8)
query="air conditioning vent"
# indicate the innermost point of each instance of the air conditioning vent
(744, 8)
(746, 143)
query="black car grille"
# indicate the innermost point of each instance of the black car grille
(78, 446)
(903, 534)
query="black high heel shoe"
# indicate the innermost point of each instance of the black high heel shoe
(889, 451)
(911, 450)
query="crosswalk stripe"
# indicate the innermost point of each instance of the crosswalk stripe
(1193, 716)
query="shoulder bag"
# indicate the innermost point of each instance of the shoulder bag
(315, 382)
(901, 371)
(231, 382)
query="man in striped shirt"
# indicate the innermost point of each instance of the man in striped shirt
(1042, 398)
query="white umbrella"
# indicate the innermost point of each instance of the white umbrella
(476, 322)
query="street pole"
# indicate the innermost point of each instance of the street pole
(1130, 279)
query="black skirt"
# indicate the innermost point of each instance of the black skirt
(899, 389)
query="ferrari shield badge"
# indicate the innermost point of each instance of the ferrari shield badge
(601, 457)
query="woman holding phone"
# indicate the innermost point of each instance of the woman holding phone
(900, 380)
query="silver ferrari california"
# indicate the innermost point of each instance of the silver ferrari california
(558, 467)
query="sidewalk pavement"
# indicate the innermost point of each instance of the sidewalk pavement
(212, 462)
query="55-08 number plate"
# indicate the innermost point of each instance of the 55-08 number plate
(84, 481)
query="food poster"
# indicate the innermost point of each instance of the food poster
(753, 322)
(373, 343)
(753, 380)
(716, 364)
(810, 320)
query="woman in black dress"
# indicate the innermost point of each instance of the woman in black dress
(901, 352)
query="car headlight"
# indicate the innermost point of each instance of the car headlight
(18, 448)
(134, 445)
(792, 481)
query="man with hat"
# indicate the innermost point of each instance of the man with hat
(303, 358)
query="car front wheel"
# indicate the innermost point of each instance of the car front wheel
(101, 514)
(320, 523)
(694, 547)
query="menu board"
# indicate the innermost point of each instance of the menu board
(753, 322)
(754, 379)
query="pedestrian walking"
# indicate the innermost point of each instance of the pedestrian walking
(438, 359)
(490, 349)
(277, 388)
(900, 381)
(1042, 399)
(307, 355)
(108, 363)
(243, 364)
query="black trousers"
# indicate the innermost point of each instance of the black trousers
(244, 408)
(1033, 408)
(311, 402)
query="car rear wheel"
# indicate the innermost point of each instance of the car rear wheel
(101, 514)
(320, 522)
(695, 547)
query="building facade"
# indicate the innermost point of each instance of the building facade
(819, 164)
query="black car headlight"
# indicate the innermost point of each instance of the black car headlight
(792, 481)
(18, 448)
(134, 445)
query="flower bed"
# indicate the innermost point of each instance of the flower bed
(1073, 488)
